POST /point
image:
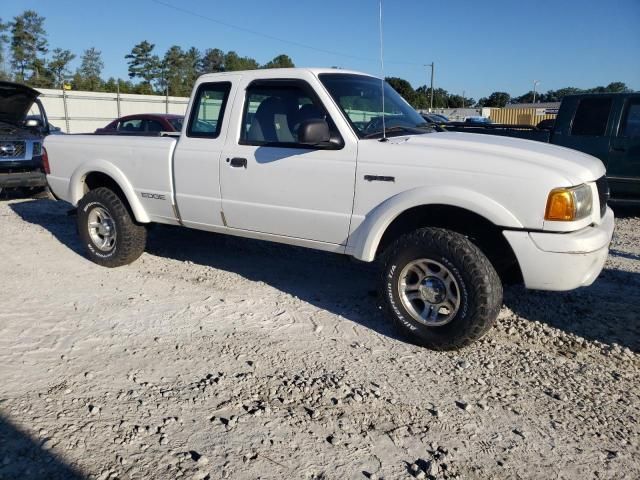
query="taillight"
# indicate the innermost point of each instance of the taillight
(45, 161)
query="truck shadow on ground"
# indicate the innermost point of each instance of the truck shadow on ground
(606, 311)
(331, 282)
(26, 458)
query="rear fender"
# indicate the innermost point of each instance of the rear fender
(76, 186)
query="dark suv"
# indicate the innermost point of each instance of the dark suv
(21, 137)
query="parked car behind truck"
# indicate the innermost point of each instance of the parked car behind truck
(21, 137)
(143, 124)
(282, 155)
(604, 125)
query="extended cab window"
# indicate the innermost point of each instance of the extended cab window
(631, 125)
(208, 110)
(591, 117)
(273, 114)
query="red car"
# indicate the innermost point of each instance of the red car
(144, 124)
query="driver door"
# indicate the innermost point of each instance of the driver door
(272, 184)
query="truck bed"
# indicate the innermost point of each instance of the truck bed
(140, 163)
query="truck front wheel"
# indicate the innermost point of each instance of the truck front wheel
(107, 230)
(440, 289)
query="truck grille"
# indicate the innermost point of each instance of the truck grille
(603, 194)
(11, 150)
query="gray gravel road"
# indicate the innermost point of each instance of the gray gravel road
(215, 357)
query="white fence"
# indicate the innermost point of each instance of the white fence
(83, 112)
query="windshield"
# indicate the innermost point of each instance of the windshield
(176, 123)
(360, 98)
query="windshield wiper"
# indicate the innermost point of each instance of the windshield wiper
(418, 129)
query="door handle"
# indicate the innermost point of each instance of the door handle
(618, 149)
(237, 162)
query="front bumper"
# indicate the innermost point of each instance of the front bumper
(562, 261)
(22, 173)
(22, 179)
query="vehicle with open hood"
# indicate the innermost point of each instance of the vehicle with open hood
(21, 136)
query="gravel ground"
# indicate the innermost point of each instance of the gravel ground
(219, 357)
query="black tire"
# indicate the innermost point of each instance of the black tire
(478, 288)
(130, 238)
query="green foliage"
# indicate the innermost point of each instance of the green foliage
(495, 100)
(88, 75)
(28, 45)
(58, 66)
(233, 62)
(281, 61)
(212, 61)
(557, 95)
(403, 87)
(144, 64)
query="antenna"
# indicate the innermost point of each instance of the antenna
(384, 127)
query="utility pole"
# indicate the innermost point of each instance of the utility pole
(535, 82)
(463, 92)
(432, 65)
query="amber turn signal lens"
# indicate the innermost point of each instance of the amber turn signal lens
(560, 205)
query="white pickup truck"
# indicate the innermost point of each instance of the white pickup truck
(311, 157)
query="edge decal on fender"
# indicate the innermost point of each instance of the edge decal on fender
(154, 196)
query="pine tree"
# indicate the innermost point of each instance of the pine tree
(28, 45)
(143, 64)
(90, 71)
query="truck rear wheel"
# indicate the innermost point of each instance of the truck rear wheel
(440, 289)
(108, 231)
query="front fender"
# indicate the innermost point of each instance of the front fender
(364, 240)
(76, 185)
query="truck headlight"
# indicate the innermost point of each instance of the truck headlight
(37, 149)
(568, 204)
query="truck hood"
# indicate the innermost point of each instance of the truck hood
(15, 102)
(576, 167)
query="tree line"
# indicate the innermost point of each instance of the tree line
(421, 97)
(30, 61)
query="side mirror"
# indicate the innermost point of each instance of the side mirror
(314, 132)
(33, 123)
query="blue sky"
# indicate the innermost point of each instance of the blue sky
(478, 47)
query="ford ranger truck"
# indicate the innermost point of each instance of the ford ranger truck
(309, 157)
(20, 137)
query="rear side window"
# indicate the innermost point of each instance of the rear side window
(591, 117)
(153, 126)
(133, 125)
(631, 122)
(208, 108)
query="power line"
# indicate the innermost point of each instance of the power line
(270, 37)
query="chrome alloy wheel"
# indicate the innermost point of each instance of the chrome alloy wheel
(102, 229)
(429, 292)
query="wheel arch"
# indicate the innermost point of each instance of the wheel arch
(98, 174)
(469, 213)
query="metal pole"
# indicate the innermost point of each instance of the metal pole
(463, 92)
(433, 67)
(118, 98)
(66, 110)
(167, 100)
(535, 82)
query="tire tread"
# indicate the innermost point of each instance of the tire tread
(485, 287)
